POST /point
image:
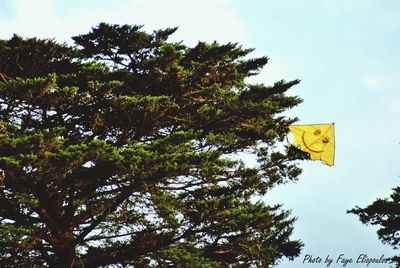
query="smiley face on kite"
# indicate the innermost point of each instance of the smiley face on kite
(317, 140)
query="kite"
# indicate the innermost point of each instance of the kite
(317, 140)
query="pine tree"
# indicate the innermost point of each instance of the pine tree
(386, 214)
(117, 152)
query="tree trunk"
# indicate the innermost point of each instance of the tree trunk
(65, 257)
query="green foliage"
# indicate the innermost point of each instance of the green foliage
(119, 152)
(384, 213)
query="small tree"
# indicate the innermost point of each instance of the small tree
(116, 153)
(386, 214)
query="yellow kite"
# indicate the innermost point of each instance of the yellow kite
(318, 140)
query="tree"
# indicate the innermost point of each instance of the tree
(117, 152)
(386, 214)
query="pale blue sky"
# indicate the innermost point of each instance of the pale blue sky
(345, 52)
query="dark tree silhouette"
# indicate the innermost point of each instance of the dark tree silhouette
(117, 153)
(386, 214)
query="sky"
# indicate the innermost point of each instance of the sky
(346, 54)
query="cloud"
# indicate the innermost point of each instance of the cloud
(382, 82)
(385, 86)
(206, 20)
(197, 20)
